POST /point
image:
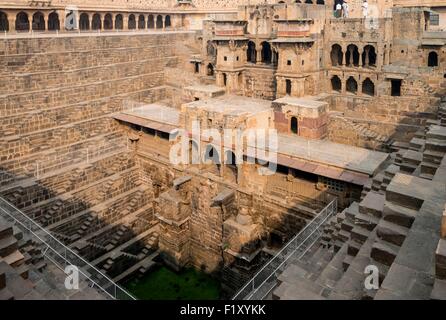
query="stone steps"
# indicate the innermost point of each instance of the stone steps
(392, 233)
(27, 165)
(70, 94)
(351, 284)
(105, 213)
(398, 214)
(61, 57)
(384, 252)
(24, 195)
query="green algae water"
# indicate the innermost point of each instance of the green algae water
(164, 284)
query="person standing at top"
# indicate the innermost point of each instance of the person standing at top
(365, 9)
(338, 10)
(345, 9)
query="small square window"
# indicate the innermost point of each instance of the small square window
(226, 58)
(238, 58)
(434, 19)
(288, 62)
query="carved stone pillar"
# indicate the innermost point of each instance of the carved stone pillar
(294, 88)
(299, 87)
(280, 86)
(113, 21)
(125, 21)
(61, 14)
(360, 58)
(90, 21)
(219, 79)
(351, 60)
(45, 20)
(259, 55)
(367, 59)
(11, 22)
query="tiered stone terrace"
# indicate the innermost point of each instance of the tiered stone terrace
(64, 161)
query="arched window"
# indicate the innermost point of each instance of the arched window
(141, 22)
(151, 22)
(352, 55)
(266, 52)
(108, 22)
(53, 21)
(159, 22)
(231, 164)
(336, 55)
(132, 22)
(251, 53)
(352, 85)
(288, 86)
(167, 22)
(96, 22)
(210, 69)
(294, 125)
(4, 24)
(119, 22)
(38, 21)
(336, 84)
(211, 155)
(432, 60)
(368, 87)
(22, 22)
(230, 158)
(369, 56)
(84, 22)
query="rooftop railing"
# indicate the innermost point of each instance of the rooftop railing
(265, 280)
(62, 256)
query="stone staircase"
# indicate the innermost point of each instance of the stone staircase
(382, 142)
(394, 227)
(62, 162)
(25, 274)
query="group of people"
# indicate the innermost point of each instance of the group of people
(341, 9)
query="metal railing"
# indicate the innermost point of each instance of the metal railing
(265, 279)
(62, 256)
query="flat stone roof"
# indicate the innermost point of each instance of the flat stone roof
(332, 154)
(300, 102)
(154, 116)
(232, 105)
(205, 88)
(156, 112)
